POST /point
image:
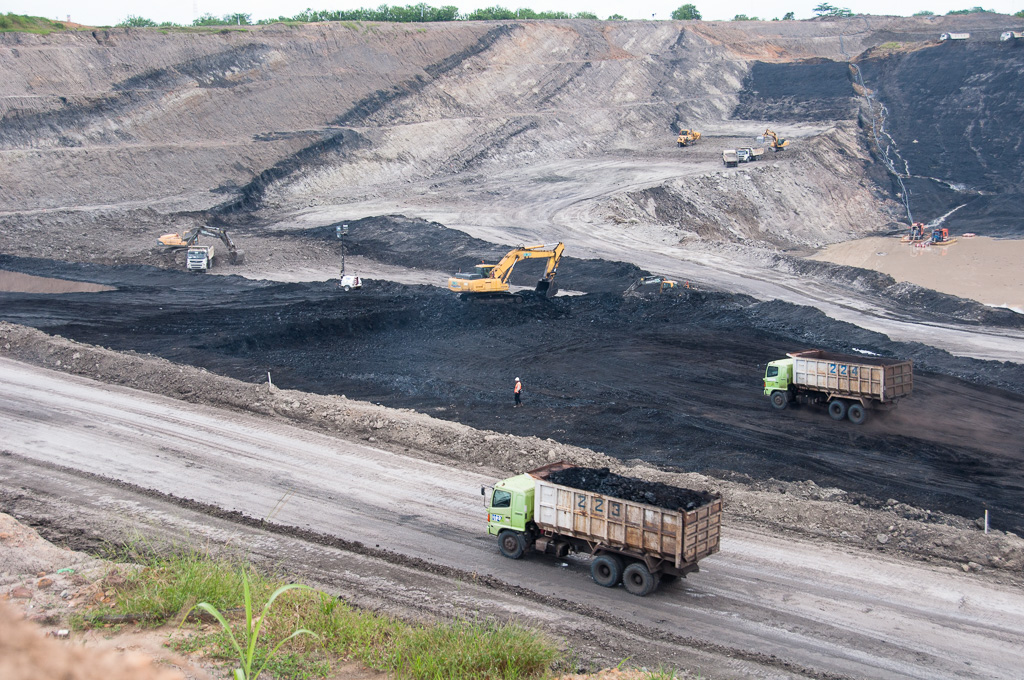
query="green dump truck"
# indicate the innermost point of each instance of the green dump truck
(637, 544)
(848, 386)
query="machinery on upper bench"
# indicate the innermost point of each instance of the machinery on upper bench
(687, 137)
(200, 257)
(774, 142)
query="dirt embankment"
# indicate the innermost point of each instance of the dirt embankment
(288, 117)
(46, 585)
(801, 508)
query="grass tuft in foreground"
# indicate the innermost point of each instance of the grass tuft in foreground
(167, 586)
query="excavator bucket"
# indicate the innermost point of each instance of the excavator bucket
(546, 288)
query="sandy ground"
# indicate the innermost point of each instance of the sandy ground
(984, 269)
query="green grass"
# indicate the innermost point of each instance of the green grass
(27, 24)
(166, 586)
(660, 674)
(891, 46)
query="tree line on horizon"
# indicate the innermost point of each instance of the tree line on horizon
(426, 13)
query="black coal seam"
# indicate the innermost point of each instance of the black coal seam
(374, 103)
(131, 93)
(253, 192)
(494, 144)
(206, 71)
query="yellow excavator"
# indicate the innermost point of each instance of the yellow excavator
(687, 137)
(660, 284)
(490, 281)
(773, 141)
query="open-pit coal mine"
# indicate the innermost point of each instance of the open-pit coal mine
(673, 379)
(451, 144)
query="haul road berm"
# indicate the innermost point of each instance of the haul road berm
(637, 544)
(848, 385)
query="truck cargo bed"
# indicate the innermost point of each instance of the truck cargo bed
(877, 378)
(679, 537)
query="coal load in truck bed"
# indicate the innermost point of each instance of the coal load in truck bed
(608, 483)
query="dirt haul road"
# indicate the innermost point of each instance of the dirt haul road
(103, 458)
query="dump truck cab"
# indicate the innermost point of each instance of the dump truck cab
(199, 258)
(778, 376)
(510, 505)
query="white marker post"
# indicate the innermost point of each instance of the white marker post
(986, 520)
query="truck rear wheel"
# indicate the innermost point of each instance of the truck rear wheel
(779, 399)
(857, 414)
(837, 409)
(638, 580)
(606, 570)
(511, 544)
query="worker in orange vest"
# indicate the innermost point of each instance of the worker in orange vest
(518, 391)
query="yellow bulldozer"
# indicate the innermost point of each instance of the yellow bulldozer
(687, 137)
(490, 281)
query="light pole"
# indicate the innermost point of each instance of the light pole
(341, 231)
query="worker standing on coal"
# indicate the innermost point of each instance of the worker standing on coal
(518, 392)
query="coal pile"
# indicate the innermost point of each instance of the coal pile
(603, 481)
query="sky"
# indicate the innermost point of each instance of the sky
(110, 12)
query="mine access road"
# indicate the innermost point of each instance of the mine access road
(401, 532)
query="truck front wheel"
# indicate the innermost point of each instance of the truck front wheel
(837, 409)
(779, 399)
(606, 570)
(511, 544)
(638, 580)
(857, 414)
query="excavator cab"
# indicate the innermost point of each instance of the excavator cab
(480, 271)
